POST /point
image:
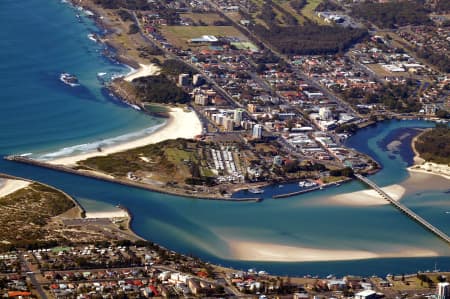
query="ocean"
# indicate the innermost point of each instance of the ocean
(41, 116)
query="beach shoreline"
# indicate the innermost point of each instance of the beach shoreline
(144, 70)
(175, 127)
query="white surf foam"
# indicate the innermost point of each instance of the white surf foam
(93, 146)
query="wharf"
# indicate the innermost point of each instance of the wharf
(26, 160)
(310, 189)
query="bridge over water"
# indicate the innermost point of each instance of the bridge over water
(405, 210)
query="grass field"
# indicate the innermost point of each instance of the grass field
(180, 35)
(288, 8)
(208, 18)
(308, 11)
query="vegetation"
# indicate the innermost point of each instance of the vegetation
(294, 39)
(440, 60)
(327, 5)
(401, 98)
(393, 14)
(159, 89)
(25, 213)
(170, 161)
(176, 67)
(125, 15)
(298, 5)
(442, 6)
(434, 145)
(133, 29)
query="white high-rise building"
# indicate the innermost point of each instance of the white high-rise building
(443, 290)
(238, 116)
(325, 113)
(257, 131)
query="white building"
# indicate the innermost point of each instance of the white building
(443, 290)
(257, 131)
(367, 294)
(238, 116)
(325, 113)
(183, 79)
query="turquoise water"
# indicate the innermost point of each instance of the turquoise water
(39, 41)
(40, 115)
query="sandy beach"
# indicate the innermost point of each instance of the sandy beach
(108, 214)
(368, 197)
(8, 186)
(422, 166)
(143, 71)
(181, 124)
(432, 168)
(256, 251)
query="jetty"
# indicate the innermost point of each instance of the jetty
(296, 192)
(319, 187)
(121, 181)
(405, 209)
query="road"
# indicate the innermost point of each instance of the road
(286, 59)
(171, 55)
(32, 277)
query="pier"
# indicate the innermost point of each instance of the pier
(405, 209)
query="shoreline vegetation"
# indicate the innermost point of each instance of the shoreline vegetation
(65, 224)
(423, 166)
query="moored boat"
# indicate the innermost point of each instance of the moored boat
(256, 190)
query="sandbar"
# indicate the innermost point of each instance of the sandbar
(107, 214)
(258, 251)
(181, 124)
(9, 186)
(368, 197)
(143, 71)
(432, 168)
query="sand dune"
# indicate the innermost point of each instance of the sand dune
(10, 186)
(143, 71)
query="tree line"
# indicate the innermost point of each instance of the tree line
(393, 14)
(292, 39)
(434, 145)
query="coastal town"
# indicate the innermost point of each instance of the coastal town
(144, 270)
(258, 115)
(252, 95)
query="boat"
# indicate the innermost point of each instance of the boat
(256, 190)
(92, 37)
(280, 186)
(306, 184)
(101, 74)
(69, 79)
